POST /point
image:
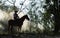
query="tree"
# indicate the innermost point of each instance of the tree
(8, 8)
(38, 16)
(36, 12)
(53, 9)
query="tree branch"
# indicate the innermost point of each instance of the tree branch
(2, 3)
(9, 2)
(21, 6)
(14, 2)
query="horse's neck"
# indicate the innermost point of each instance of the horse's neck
(22, 19)
(26, 17)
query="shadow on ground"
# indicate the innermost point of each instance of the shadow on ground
(28, 35)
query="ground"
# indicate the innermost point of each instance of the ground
(29, 35)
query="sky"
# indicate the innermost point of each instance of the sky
(26, 4)
(17, 4)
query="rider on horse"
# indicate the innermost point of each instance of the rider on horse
(16, 15)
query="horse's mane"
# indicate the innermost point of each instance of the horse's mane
(25, 16)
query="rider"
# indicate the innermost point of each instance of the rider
(16, 15)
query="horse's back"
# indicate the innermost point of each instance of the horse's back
(10, 21)
(18, 21)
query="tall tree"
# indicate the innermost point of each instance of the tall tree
(38, 15)
(42, 16)
(53, 9)
(8, 8)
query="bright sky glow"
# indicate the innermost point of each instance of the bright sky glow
(1, 16)
(27, 4)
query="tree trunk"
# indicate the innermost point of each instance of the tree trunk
(57, 21)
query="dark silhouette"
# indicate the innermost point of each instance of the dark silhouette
(16, 15)
(17, 22)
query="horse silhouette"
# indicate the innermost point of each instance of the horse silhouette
(17, 22)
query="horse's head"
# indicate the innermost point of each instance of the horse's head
(27, 17)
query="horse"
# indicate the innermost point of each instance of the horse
(17, 22)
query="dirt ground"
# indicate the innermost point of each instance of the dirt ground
(28, 35)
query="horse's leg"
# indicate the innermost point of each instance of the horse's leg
(20, 27)
(8, 28)
(17, 28)
(11, 29)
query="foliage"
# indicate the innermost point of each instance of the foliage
(38, 13)
(7, 8)
(34, 12)
(44, 18)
